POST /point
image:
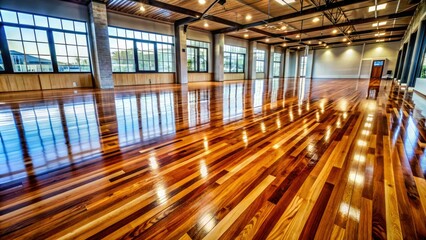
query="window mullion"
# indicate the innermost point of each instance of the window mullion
(52, 49)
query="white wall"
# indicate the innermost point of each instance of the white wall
(54, 8)
(344, 62)
(118, 20)
(263, 47)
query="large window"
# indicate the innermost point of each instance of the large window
(122, 55)
(423, 71)
(72, 52)
(136, 51)
(260, 61)
(234, 59)
(197, 55)
(277, 64)
(31, 39)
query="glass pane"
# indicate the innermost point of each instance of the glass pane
(60, 49)
(30, 48)
(41, 36)
(81, 40)
(72, 50)
(112, 31)
(80, 26)
(58, 37)
(28, 34)
(227, 61)
(9, 16)
(113, 43)
(121, 32)
(55, 23)
(43, 48)
(26, 19)
(129, 34)
(68, 25)
(83, 52)
(138, 35)
(15, 47)
(70, 38)
(12, 33)
(41, 21)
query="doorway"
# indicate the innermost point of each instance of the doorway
(377, 70)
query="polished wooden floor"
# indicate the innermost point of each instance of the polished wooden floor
(277, 159)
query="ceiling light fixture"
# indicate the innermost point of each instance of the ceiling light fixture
(202, 2)
(319, 42)
(349, 43)
(380, 40)
(206, 25)
(378, 7)
(379, 24)
(379, 34)
(267, 40)
(285, 45)
(309, 42)
(315, 19)
(248, 17)
(349, 31)
(298, 47)
(297, 36)
(246, 35)
(283, 2)
(334, 31)
(283, 27)
(142, 8)
(345, 39)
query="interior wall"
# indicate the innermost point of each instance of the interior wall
(263, 47)
(54, 8)
(344, 62)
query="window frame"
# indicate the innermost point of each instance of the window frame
(4, 47)
(258, 61)
(276, 61)
(197, 58)
(230, 62)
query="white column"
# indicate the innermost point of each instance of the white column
(181, 59)
(219, 45)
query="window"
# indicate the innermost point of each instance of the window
(260, 61)
(146, 56)
(1, 63)
(31, 38)
(71, 52)
(136, 51)
(165, 57)
(423, 69)
(28, 49)
(277, 64)
(122, 55)
(234, 59)
(197, 56)
(303, 60)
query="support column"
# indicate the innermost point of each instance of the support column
(416, 60)
(283, 63)
(296, 64)
(252, 60)
(101, 56)
(271, 62)
(181, 59)
(219, 46)
(287, 63)
(407, 61)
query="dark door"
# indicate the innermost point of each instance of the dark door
(376, 72)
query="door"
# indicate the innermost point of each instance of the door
(377, 70)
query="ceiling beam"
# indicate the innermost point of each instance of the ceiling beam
(194, 15)
(391, 39)
(358, 21)
(308, 11)
(403, 28)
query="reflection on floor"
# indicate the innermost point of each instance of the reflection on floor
(277, 159)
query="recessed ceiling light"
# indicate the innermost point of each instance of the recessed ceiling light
(325, 44)
(326, 47)
(334, 31)
(283, 2)
(248, 17)
(379, 7)
(349, 31)
(298, 47)
(319, 42)
(142, 8)
(309, 42)
(349, 43)
(379, 34)
(206, 25)
(246, 35)
(267, 40)
(298, 36)
(202, 2)
(315, 19)
(285, 45)
(379, 24)
(380, 40)
(345, 39)
(283, 27)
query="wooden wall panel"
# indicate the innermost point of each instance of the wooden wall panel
(27, 82)
(200, 77)
(129, 79)
(234, 76)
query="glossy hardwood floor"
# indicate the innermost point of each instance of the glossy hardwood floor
(277, 159)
